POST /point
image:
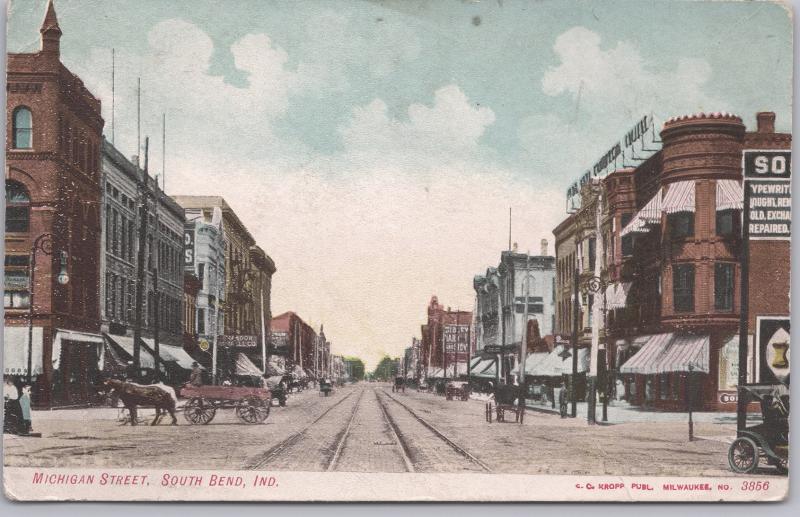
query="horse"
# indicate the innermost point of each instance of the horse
(132, 395)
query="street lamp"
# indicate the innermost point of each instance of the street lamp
(43, 243)
(595, 285)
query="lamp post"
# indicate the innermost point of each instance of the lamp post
(690, 397)
(595, 285)
(43, 243)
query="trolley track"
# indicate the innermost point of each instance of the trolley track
(343, 435)
(281, 448)
(404, 445)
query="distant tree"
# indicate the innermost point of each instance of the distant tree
(356, 368)
(386, 369)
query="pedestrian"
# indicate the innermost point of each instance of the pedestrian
(562, 399)
(25, 406)
(196, 377)
(12, 412)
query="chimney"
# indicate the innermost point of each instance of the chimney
(544, 247)
(766, 121)
(514, 247)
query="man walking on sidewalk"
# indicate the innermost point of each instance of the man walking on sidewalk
(562, 399)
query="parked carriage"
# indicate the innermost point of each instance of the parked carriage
(505, 398)
(457, 391)
(769, 439)
(251, 404)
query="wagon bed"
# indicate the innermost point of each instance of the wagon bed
(251, 404)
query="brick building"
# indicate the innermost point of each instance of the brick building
(296, 341)
(447, 341)
(671, 264)
(53, 197)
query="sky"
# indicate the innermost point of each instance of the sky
(374, 148)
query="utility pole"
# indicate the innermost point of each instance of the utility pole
(156, 294)
(576, 321)
(141, 284)
(596, 307)
(523, 347)
(263, 328)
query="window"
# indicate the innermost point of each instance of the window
(17, 283)
(18, 206)
(201, 274)
(728, 223)
(627, 240)
(681, 225)
(23, 128)
(683, 287)
(592, 252)
(723, 286)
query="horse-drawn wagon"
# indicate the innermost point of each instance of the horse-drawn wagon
(505, 399)
(399, 384)
(251, 404)
(457, 390)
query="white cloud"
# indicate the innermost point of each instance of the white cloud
(610, 87)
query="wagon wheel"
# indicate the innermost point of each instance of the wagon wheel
(743, 455)
(199, 411)
(252, 410)
(781, 464)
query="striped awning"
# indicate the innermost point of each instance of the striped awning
(730, 195)
(645, 360)
(649, 214)
(244, 366)
(558, 363)
(664, 353)
(685, 353)
(679, 197)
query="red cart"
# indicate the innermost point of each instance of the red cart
(251, 404)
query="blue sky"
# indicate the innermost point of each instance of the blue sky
(374, 147)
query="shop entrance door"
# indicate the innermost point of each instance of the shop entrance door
(78, 372)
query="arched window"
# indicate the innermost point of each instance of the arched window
(18, 206)
(23, 128)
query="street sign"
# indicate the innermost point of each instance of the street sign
(238, 341)
(767, 194)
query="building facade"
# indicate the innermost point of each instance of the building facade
(204, 259)
(447, 341)
(248, 270)
(671, 270)
(125, 188)
(53, 203)
(296, 341)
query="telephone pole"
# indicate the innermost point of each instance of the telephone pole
(141, 284)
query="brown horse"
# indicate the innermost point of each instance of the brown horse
(133, 395)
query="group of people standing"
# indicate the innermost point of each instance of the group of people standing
(16, 408)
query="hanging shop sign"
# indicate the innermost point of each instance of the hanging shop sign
(607, 161)
(767, 194)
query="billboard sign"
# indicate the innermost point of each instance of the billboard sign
(238, 341)
(772, 352)
(456, 341)
(767, 195)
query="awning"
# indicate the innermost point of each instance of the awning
(95, 340)
(244, 366)
(730, 195)
(474, 361)
(644, 361)
(125, 343)
(649, 214)
(298, 372)
(274, 366)
(177, 354)
(15, 350)
(685, 353)
(484, 367)
(670, 353)
(679, 197)
(435, 373)
(559, 362)
(531, 360)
